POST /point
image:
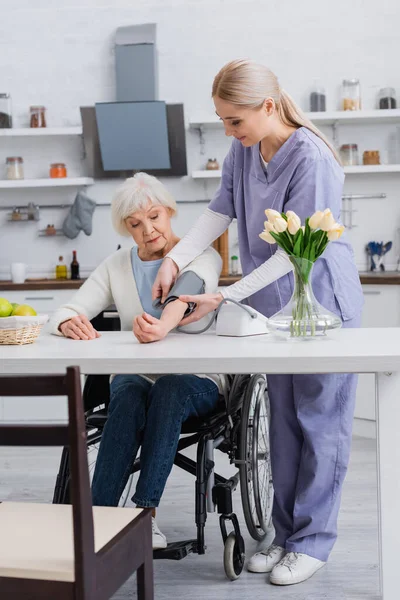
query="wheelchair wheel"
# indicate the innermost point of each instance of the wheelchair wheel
(233, 558)
(255, 466)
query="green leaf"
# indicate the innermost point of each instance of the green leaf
(312, 252)
(306, 253)
(307, 232)
(281, 242)
(298, 239)
(284, 216)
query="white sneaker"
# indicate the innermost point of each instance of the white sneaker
(159, 539)
(265, 561)
(294, 568)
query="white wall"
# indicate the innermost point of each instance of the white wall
(62, 56)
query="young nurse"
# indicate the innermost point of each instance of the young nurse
(279, 160)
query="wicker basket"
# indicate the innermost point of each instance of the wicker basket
(21, 330)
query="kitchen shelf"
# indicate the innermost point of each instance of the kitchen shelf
(43, 233)
(204, 174)
(321, 118)
(356, 170)
(40, 131)
(359, 169)
(49, 182)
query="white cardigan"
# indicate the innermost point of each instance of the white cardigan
(113, 282)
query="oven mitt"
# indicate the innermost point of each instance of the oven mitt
(189, 283)
(79, 216)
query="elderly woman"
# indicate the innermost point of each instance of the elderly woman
(144, 410)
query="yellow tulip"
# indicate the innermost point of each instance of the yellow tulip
(336, 232)
(327, 222)
(291, 213)
(293, 223)
(315, 219)
(267, 237)
(280, 225)
(272, 214)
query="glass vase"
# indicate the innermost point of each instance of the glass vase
(303, 317)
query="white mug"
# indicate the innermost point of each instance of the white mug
(18, 272)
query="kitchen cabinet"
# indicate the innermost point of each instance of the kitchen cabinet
(381, 309)
(40, 408)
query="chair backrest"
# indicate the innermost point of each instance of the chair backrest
(73, 435)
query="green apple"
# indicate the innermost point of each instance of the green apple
(6, 308)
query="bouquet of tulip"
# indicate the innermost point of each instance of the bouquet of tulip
(303, 244)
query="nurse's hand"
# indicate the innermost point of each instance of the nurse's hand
(165, 279)
(79, 328)
(147, 328)
(205, 303)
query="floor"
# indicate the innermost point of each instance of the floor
(351, 574)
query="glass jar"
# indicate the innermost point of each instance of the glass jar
(5, 111)
(351, 95)
(58, 170)
(317, 98)
(349, 154)
(371, 157)
(387, 98)
(38, 116)
(14, 167)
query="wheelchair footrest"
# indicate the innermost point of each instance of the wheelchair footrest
(176, 550)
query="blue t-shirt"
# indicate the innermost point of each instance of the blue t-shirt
(145, 272)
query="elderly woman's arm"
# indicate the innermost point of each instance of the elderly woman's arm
(150, 329)
(73, 319)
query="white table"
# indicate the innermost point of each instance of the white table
(347, 351)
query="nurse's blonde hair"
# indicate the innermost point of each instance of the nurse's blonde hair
(247, 84)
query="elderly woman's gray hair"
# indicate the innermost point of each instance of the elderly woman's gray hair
(136, 193)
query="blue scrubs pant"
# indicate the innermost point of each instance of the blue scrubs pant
(310, 436)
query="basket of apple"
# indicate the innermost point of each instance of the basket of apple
(19, 323)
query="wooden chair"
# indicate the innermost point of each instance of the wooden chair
(66, 552)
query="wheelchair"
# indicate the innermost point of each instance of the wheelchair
(239, 427)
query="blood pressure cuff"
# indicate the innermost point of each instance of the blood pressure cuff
(188, 284)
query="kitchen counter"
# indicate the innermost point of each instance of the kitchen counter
(366, 277)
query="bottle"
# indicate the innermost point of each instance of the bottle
(61, 269)
(74, 266)
(234, 265)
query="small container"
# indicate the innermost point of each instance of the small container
(5, 111)
(387, 98)
(50, 230)
(212, 164)
(349, 155)
(234, 265)
(317, 99)
(14, 167)
(58, 170)
(351, 94)
(16, 215)
(371, 157)
(38, 116)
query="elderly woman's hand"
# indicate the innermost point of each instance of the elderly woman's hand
(165, 279)
(205, 303)
(147, 328)
(79, 328)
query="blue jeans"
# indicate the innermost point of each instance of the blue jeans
(147, 415)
